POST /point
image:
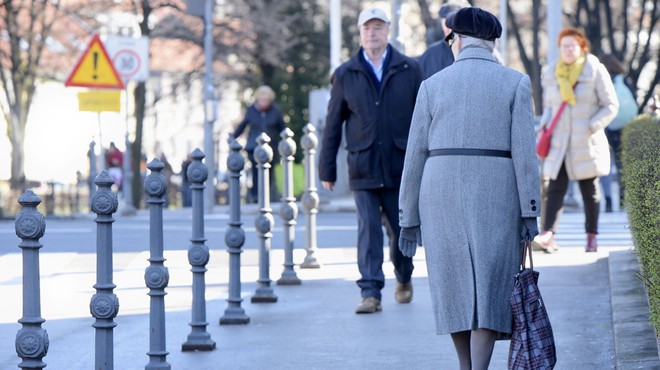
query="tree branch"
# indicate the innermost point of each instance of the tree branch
(521, 45)
(645, 57)
(427, 18)
(640, 26)
(610, 30)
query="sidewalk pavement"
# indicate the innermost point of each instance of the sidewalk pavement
(597, 307)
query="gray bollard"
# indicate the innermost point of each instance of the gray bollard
(92, 171)
(263, 154)
(234, 238)
(156, 275)
(310, 200)
(289, 209)
(31, 339)
(198, 256)
(104, 305)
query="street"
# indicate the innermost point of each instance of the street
(313, 325)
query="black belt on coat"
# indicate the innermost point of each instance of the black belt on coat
(471, 152)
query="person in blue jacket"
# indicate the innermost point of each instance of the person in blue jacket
(262, 116)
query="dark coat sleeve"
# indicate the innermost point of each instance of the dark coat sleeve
(337, 114)
(280, 120)
(241, 126)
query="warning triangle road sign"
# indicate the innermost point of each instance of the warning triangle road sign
(94, 69)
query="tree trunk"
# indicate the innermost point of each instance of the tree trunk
(18, 181)
(139, 94)
(267, 73)
(136, 150)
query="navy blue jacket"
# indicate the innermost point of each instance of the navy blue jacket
(376, 121)
(271, 122)
(436, 58)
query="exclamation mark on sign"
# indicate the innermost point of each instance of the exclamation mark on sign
(96, 62)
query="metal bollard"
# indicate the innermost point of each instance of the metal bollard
(310, 200)
(263, 154)
(234, 238)
(92, 171)
(289, 209)
(31, 339)
(104, 305)
(198, 256)
(156, 275)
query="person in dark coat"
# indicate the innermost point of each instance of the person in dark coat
(439, 55)
(470, 191)
(372, 98)
(262, 116)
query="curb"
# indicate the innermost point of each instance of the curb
(634, 337)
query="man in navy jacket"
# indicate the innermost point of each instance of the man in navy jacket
(372, 98)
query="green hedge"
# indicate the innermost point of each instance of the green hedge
(641, 177)
(298, 179)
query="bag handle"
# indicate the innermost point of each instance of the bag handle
(556, 119)
(559, 112)
(527, 250)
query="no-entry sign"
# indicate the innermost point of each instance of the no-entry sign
(130, 56)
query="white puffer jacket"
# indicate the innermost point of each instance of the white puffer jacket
(579, 137)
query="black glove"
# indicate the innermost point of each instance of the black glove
(409, 239)
(529, 229)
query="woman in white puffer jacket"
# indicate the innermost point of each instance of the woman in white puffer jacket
(579, 149)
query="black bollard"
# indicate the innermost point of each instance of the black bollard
(105, 304)
(156, 275)
(234, 238)
(31, 339)
(198, 256)
(263, 154)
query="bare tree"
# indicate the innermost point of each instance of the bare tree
(28, 26)
(531, 63)
(143, 10)
(625, 29)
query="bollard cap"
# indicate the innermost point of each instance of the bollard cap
(197, 154)
(104, 180)
(286, 133)
(155, 165)
(309, 128)
(263, 139)
(29, 198)
(235, 145)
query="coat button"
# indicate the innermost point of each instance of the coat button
(377, 103)
(533, 208)
(533, 201)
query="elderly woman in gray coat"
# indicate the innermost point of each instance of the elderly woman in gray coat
(470, 187)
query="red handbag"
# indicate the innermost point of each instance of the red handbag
(545, 139)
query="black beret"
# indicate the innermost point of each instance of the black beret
(447, 8)
(474, 22)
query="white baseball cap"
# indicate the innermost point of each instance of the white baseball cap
(372, 13)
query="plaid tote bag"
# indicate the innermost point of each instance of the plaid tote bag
(532, 342)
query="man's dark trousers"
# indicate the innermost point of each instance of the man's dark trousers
(377, 208)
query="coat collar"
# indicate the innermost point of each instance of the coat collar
(396, 58)
(476, 52)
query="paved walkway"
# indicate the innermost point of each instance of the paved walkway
(596, 304)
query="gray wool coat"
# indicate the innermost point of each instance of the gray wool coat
(470, 208)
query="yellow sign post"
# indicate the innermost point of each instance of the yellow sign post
(99, 101)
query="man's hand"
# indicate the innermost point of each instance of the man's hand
(327, 185)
